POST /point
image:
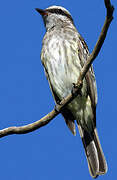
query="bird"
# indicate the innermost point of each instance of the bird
(63, 55)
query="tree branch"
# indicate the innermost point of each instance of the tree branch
(45, 120)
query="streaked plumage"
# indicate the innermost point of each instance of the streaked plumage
(63, 55)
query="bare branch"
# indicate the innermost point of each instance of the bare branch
(30, 127)
(45, 120)
(101, 39)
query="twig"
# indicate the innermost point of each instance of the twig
(45, 120)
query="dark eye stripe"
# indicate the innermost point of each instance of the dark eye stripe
(61, 12)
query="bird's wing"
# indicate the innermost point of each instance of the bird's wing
(68, 116)
(83, 54)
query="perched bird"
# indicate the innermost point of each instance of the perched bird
(64, 52)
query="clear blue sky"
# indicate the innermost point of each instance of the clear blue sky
(51, 152)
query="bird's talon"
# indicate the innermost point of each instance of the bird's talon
(73, 91)
(75, 86)
(58, 102)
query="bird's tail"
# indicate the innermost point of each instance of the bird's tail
(95, 156)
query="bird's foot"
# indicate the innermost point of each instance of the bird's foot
(74, 90)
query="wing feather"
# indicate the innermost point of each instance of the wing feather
(83, 54)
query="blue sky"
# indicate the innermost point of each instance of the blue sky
(51, 152)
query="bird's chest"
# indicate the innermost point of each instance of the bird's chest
(60, 59)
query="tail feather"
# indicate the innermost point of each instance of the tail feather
(71, 126)
(102, 162)
(92, 158)
(69, 119)
(95, 157)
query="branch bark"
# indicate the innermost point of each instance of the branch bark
(46, 119)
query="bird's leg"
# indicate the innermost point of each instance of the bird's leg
(74, 90)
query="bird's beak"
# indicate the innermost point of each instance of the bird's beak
(41, 11)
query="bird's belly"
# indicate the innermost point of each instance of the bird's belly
(63, 67)
(62, 77)
(62, 81)
(82, 111)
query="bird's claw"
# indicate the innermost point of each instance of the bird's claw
(58, 102)
(73, 91)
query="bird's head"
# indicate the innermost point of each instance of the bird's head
(55, 16)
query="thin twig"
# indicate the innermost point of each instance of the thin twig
(45, 120)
